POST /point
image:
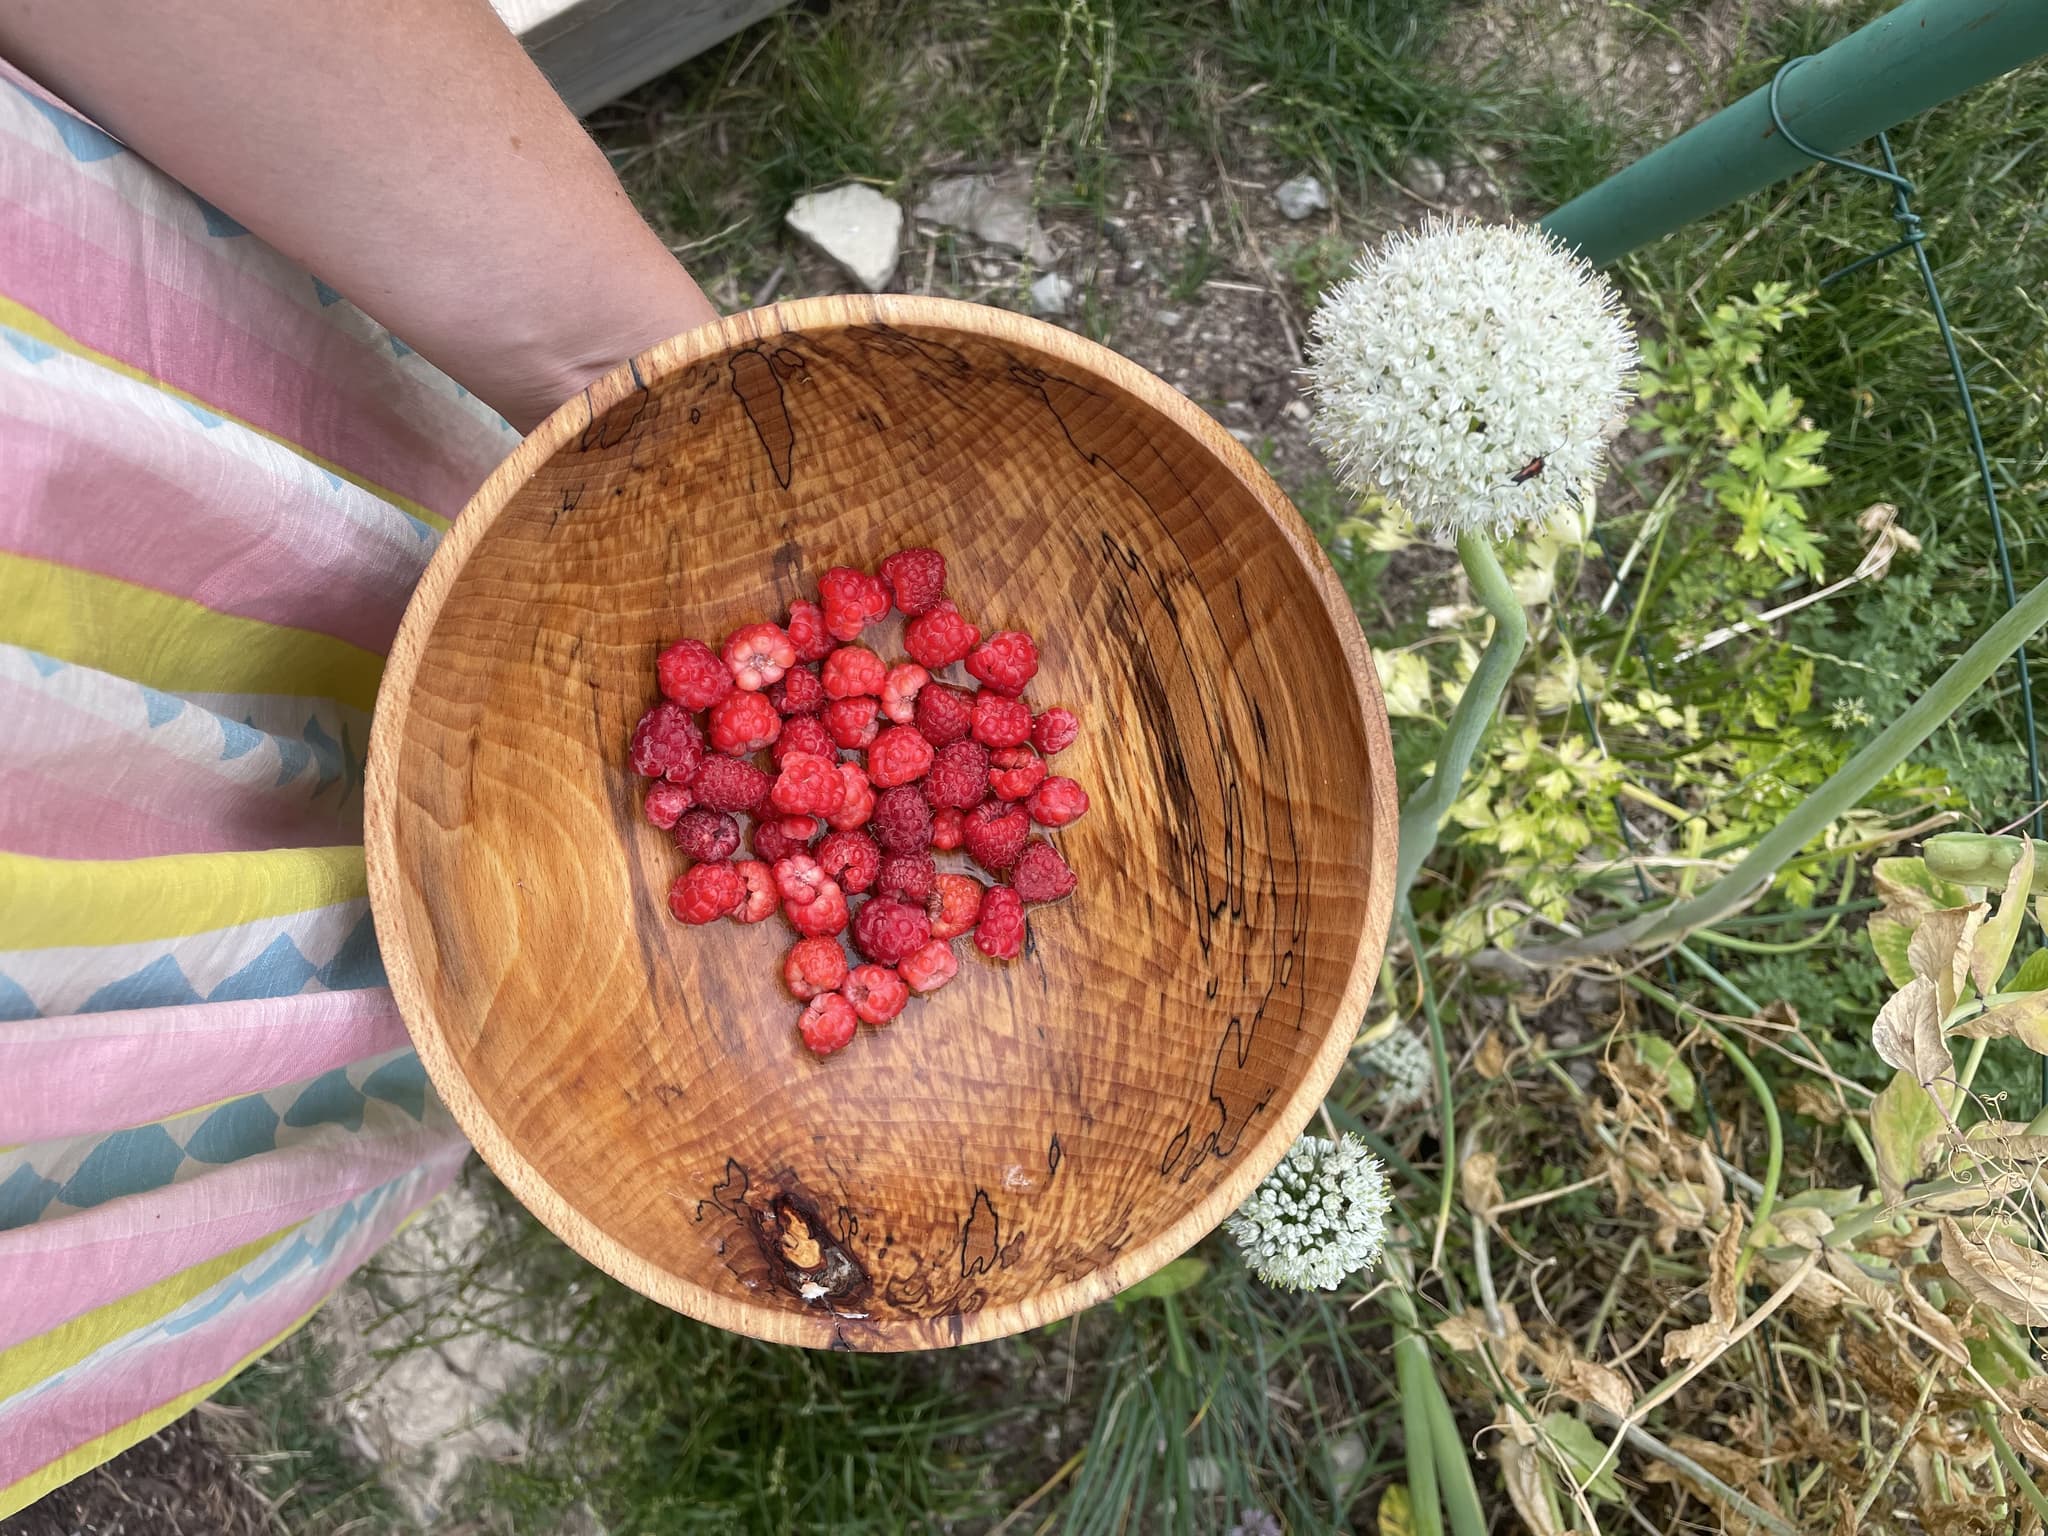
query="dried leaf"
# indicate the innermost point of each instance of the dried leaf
(1668, 1069)
(1904, 1119)
(2025, 1018)
(1587, 1381)
(1490, 1057)
(1530, 1488)
(1479, 1182)
(1907, 1034)
(1463, 1332)
(2024, 1435)
(1707, 1339)
(1940, 949)
(1866, 1288)
(1993, 944)
(1802, 1226)
(1396, 1512)
(1909, 893)
(1815, 1103)
(2009, 1279)
(1938, 1326)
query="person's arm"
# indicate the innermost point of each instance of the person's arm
(406, 151)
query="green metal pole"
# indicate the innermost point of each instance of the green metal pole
(1912, 58)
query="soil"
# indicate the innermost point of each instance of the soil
(178, 1482)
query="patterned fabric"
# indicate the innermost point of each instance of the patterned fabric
(218, 484)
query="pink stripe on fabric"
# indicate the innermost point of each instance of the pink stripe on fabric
(42, 1425)
(91, 1072)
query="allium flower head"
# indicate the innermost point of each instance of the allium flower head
(1319, 1216)
(1400, 1062)
(1459, 355)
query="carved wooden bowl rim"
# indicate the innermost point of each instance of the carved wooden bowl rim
(911, 314)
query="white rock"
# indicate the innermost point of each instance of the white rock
(1049, 295)
(1296, 410)
(1423, 176)
(1299, 198)
(1170, 318)
(994, 209)
(854, 225)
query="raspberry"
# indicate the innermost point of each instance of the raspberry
(759, 902)
(666, 802)
(998, 721)
(938, 637)
(729, 783)
(824, 916)
(1058, 802)
(954, 905)
(1055, 730)
(814, 966)
(808, 786)
(707, 835)
(944, 715)
(899, 756)
(799, 878)
(828, 1024)
(994, 835)
(1000, 933)
(799, 829)
(902, 822)
(958, 776)
(859, 803)
(886, 931)
(667, 744)
(947, 822)
(853, 600)
(1014, 772)
(907, 877)
(771, 844)
(1003, 663)
(900, 689)
(799, 693)
(1041, 874)
(758, 654)
(807, 632)
(916, 579)
(743, 723)
(930, 968)
(704, 893)
(853, 671)
(852, 722)
(691, 673)
(851, 858)
(876, 992)
(804, 733)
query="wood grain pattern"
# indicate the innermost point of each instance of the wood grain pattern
(1037, 1135)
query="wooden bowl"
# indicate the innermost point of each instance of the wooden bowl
(1037, 1135)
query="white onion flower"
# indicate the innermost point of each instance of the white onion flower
(1468, 371)
(1319, 1216)
(1402, 1063)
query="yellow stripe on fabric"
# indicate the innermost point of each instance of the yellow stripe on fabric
(173, 643)
(19, 317)
(61, 903)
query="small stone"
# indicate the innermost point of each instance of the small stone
(1296, 410)
(854, 225)
(1049, 295)
(994, 209)
(1300, 197)
(1170, 318)
(1423, 176)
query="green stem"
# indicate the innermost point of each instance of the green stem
(1416, 1379)
(1453, 1468)
(1432, 801)
(1774, 1141)
(2028, 1490)
(1440, 1059)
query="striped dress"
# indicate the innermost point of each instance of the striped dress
(218, 484)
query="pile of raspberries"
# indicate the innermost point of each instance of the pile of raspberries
(877, 766)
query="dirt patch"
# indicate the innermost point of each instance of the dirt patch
(178, 1482)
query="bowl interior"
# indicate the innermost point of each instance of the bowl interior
(1039, 1133)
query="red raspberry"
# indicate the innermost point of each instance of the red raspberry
(1055, 730)
(852, 722)
(799, 829)
(667, 744)
(902, 822)
(899, 756)
(998, 721)
(707, 835)
(945, 715)
(876, 992)
(938, 637)
(853, 671)
(1041, 874)
(954, 905)
(666, 802)
(930, 968)
(808, 786)
(859, 803)
(759, 902)
(851, 858)
(908, 877)
(828, 1024)
(994, 834)
(743, 723)
(799, 878)
(947, 822)
(1000, 933)
(758, 654)
(886, 931)
(704, 893)
(729, 783)
(853, 600)
(691, 673)
(916, 579)
(1058, 802)
(771, 844)
(1003, 663)
(824, 916)
(813, 967)
(1014, 772)
(804, 733)
(900, 689)
(799, 693)
(807, 632)
(958, 776)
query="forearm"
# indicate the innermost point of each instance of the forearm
(406, 151)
